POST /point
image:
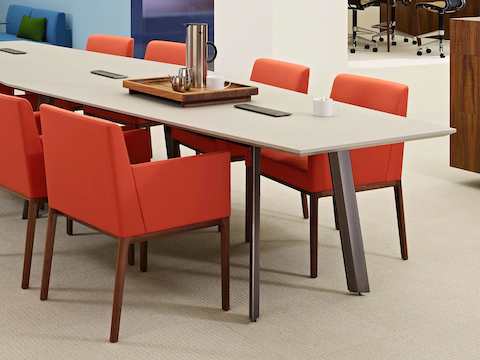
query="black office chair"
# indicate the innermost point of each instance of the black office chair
(384, 27)
(355, 6)
(442, 8)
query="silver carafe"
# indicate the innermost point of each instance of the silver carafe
(197, 53)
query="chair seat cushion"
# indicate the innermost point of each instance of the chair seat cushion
(438, 5)
(194, 141)
(295, 161)
(8, 37)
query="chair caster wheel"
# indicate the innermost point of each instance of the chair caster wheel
(381, 39)
(419, 53)
(375, 49)
(367, 47)
(414, 42)
(394, 43)
(429, 51)
(352, 51)
(442, 56)
(405, 40)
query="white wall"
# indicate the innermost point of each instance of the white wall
(302, 31)
(314, 34)
(243, 32)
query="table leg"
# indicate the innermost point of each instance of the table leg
(349, 222)
(254, 185)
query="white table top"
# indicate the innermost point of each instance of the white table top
(65, 73)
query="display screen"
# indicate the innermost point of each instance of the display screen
(166, 19)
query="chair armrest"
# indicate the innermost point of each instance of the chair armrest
(184, 191)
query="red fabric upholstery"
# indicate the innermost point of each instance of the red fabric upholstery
(121, 199)
(183, 191)
(281, 74)
(166, 52)
(21, 153)
(139, 145)
(111, 44)
(371, 166)
(267, 71)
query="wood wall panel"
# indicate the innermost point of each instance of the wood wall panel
(465, 94)
(414, 22)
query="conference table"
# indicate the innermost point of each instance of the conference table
(62, 73)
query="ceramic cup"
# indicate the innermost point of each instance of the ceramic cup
(216, 82)
(323, 107)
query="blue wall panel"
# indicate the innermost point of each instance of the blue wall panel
(84, 16)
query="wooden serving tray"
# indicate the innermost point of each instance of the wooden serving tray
(161, 87)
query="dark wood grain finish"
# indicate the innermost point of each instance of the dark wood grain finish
(465, 94)
(415, 22)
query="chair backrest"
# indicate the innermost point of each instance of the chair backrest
(281, 74)
(455, 5)
(56, 32)
(168, 52)
(111, 44)
(21, 154)
(375, 94)
(89, 176)
(378, 164)
(15, 15)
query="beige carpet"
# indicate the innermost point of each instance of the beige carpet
(425, 308)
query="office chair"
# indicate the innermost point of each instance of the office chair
(384, 27)
(355, 6)
(442, 8)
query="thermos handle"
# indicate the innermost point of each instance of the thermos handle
(215, 52)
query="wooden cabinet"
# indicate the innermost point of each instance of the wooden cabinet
(465, 93)
(413, 22)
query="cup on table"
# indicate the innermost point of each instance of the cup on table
(216, 82)
(323, 107)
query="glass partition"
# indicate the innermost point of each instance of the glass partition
(166, 19)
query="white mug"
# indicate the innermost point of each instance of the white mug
(323, 107)
(216, 82)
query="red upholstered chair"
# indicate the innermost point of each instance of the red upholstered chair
(373, 168)
(167, 52)
(267, 71)
(128, 202)
(21, 161)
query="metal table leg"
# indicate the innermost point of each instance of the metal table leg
(254, 185)
(349, 222)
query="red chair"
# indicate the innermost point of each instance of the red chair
(267, 71)
(373, 168)
(167, 52)
(21, 160)
(129, 202)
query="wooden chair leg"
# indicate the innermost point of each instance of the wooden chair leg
(25, 210)
(335, 212)
(313, 236)
(27, 260)
(225, 260)
(122, 257)
(401, 220)
(144, 256)
(176, 149)
(48, 256)
(131, 254)
(304, 205)
(248, 204)
(69, 226)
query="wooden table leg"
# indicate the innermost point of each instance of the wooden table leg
(349, 222)
(254, 180)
